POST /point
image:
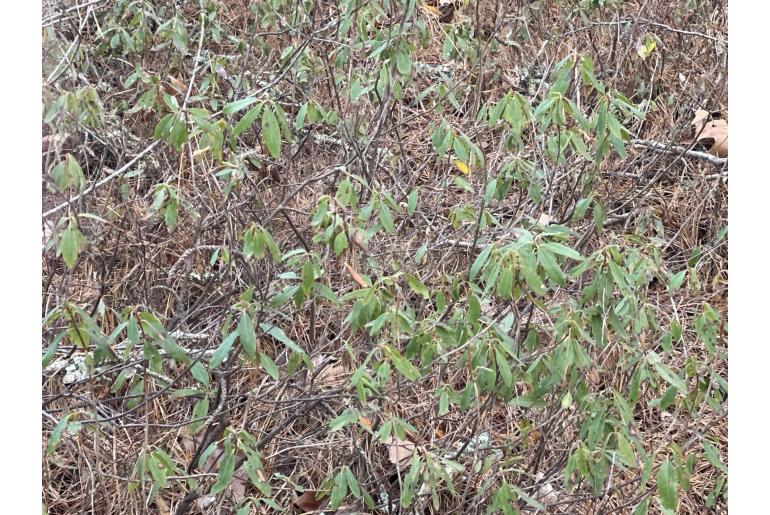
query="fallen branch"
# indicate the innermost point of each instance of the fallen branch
(674, 149)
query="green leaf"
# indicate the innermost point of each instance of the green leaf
(417, 285)
(550, 266)
(200, 373)
(269, 365)
(505, 283)
(339, 491)
(223, 350)
(308, 274)
(248, 336)
(527, 499)
(712, 454)
(200, 410)
(271, 132)
(278, 334)
(474, 309)
(403, 63)
(173, 349)
(163, 129)
(340, 243)
(325, 292)
(247, 120)
(238, 105)
(642, 507)
(412, 202)
(178, 134)
(670, 377)
(171, 213)
(480, 261)
(403, 365)
(386, 219)
(347, 417)
(299, 122)
(71, 244)
(563, 250)
(443, 403)
(353, 486)
(625, 451)
(667, 485)
(51, 352)
(676, 281)
(226, 470)
(534, 281)
(56, 434)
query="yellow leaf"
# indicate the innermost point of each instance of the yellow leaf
(431, 9)
(461, 166)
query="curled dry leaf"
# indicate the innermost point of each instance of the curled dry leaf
(307, 502)
(356, 276)
(177, 87)
(359, 241)
(710, 133)
(399, 451)
(594, 376)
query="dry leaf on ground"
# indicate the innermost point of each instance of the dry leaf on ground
(399, 451)
(710, 133)
(307, 502)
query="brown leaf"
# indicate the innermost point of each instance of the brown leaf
(307, 502)
(710, 132)
(331, 376)
(532, 439)
(399, 451)
(714, 135)
(356, 276)
(365, 422)
(701, 117)
(178, 86)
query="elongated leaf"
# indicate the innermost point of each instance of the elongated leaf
(712, 454)
(238, 105)
(278, 334)
(173, 349)
(271, 132)
(551, 267)
(480, 261)
(56, 434)
(418, 286)
(563, 250)
(534, 281)
(223, 350)
(248, 336)
(226, 470)
(667, 485)
(269, 365)
(308, 275)
(386, 218)
(247, 120)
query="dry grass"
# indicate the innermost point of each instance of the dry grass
(129, 257)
